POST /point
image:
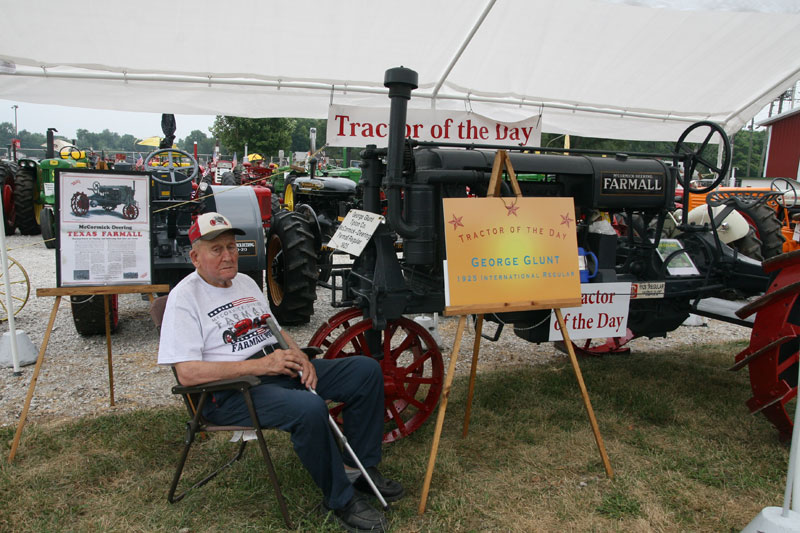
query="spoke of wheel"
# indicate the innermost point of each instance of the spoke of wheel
(360, 346)
(401, 425)
(706, 141)
(407, 342)
(419, 362)
(413, 401)
(387, 337)
(708, 165)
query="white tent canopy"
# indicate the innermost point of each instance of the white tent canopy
(631, 69)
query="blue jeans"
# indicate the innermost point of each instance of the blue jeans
(282, 402)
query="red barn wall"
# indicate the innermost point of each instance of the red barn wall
(784, 148)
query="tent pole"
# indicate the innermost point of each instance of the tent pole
(9, 304)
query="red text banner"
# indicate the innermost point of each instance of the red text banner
(360, 126)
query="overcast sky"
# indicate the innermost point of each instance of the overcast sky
(36, 118)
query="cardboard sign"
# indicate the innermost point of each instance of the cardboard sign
(355, 231)
(603, 313)
(360, 126)
(507, 254)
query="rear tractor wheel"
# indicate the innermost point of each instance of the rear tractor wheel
(7, 171)
(764, 221)
(25, 195)
(79, 204)
(291, 268)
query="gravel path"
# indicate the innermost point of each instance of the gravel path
(74, 377)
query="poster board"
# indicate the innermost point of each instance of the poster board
(102, 228)
(510, 254)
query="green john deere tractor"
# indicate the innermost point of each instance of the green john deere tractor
(34, 188)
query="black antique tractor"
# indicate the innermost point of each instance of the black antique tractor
(108, 197)
(401, 270)
(297, 252)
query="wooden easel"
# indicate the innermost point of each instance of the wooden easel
(105, 291)
(501, 161)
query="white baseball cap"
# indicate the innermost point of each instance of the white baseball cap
(208, 226)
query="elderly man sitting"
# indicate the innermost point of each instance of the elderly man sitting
(198, 338)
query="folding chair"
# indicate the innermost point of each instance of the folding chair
(195, 397)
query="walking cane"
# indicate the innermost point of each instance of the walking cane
(334, 426)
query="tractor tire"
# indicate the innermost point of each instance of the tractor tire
(24, 202)
(48, 226)
(291, 268)
(7, 172)
(749, 245)
(229, 179)
(767, 228)
(88, 314)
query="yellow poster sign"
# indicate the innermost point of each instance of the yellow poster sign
(510, 254)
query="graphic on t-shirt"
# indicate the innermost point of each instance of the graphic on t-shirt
(242, 327)
(231, 305)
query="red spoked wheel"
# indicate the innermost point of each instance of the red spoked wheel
(335, 326)
(599, 347)
(413, 372)
(130, 211)
(772, 355)
(79, 204)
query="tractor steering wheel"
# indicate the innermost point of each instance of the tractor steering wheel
(788, 190)
(71, 151)
(702, 156)
(159, 173)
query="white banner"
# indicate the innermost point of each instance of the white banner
(604, 312)
(360, 126)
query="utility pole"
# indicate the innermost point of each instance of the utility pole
(15, 107)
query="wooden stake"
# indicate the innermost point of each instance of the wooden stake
(585, 394)
(476, 346)
(29, 397)
(108, 349)
(440, 418)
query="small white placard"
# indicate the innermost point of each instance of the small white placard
(796, 234)
(603, 313)
(355, 231)
(649, 289)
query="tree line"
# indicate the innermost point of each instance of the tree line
(267, 136)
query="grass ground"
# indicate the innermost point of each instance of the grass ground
(687, 455)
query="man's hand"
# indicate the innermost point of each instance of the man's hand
(289, 363)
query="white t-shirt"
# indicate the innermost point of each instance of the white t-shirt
(206, 323)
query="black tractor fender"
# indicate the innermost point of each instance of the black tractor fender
(308, 212)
